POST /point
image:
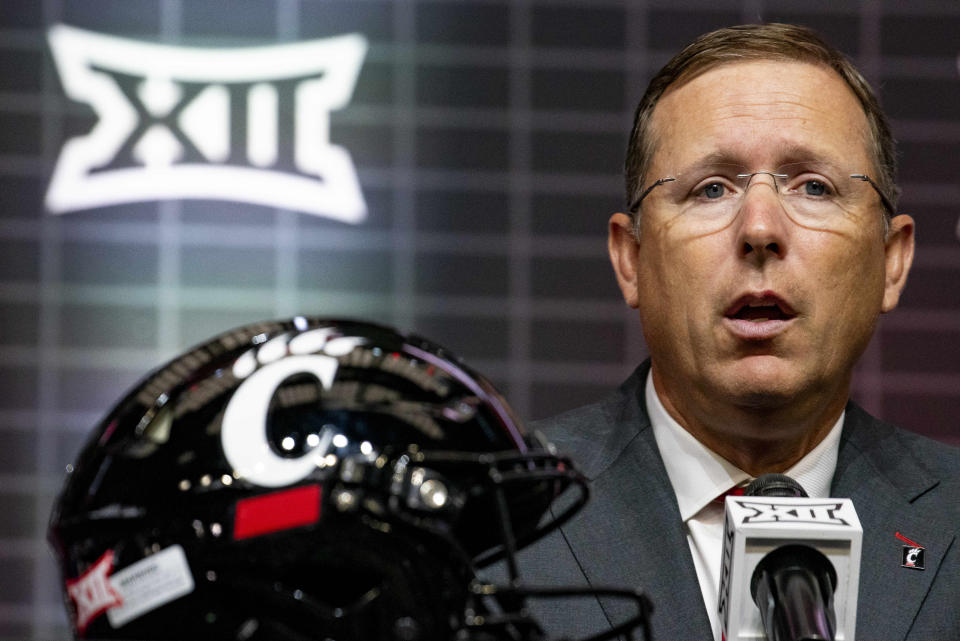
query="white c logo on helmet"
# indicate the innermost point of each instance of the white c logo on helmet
(243, 431)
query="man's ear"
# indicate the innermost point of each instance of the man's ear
(899, 257)
(624, 254)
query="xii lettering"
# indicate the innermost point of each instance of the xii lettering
(239, 123)
(824, 513)
(92, 592)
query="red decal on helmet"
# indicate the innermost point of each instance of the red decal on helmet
(277, 511)
(92, 593)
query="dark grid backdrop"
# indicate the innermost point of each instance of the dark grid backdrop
(488, 138)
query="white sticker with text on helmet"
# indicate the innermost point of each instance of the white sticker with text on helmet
(150, 583)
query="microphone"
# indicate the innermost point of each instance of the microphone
(791, 564)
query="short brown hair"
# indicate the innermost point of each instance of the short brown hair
(772, 41)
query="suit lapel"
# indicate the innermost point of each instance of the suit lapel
(633, 517)
(886, 486)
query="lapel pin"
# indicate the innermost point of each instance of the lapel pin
(911, 555)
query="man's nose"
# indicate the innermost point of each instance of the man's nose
(763, 224)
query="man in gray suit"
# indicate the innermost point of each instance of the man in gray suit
(761, 244)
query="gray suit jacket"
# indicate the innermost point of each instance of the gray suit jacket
(630, 532)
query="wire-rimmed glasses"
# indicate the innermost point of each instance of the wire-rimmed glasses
(813, 194)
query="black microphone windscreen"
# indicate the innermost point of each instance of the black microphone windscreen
(775, 485)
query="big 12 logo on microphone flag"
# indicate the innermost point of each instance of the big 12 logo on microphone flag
(247, 124)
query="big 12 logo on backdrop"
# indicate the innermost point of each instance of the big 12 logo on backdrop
(247, 124)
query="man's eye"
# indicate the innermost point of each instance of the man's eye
(713, 190)
(815, 188)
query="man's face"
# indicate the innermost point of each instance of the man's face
(765, 309)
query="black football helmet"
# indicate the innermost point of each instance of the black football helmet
(308, 480)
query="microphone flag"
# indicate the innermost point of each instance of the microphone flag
(756, 526)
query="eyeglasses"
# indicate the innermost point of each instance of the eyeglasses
(812, 194)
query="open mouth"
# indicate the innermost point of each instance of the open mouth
(758, 309)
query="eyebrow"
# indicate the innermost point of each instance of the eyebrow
(794, 153)
(710, 161)
(803, 153)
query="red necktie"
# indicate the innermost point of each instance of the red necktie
(737, 490)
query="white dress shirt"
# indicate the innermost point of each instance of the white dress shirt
(699, 475)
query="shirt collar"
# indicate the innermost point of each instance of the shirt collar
(699, 475)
